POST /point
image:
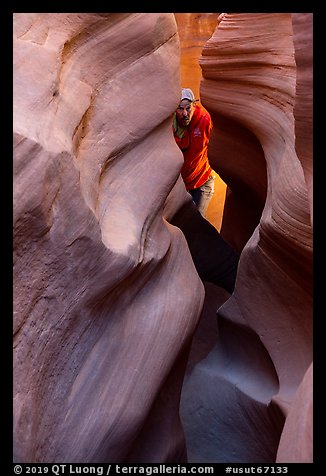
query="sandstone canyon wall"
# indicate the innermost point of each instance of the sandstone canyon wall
(258, 87)
(107, 288)
(106, 295)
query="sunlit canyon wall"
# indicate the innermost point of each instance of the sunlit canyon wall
(107, 295)
(194, 30)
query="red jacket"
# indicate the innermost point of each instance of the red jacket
(194, 144)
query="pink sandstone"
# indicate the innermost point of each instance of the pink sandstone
(112, 261)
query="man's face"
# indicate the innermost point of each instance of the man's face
(185, 112)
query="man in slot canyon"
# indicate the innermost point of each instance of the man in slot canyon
(192, 126)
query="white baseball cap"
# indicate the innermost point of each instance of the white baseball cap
(186, 93)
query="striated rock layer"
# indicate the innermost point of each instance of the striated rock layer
(258, 375)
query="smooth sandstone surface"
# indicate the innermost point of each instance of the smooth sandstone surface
(106, 294)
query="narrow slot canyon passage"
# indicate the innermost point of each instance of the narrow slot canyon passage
(194, 29)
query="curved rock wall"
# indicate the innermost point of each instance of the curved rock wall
(302, 24)
(258, 85)
(106, 296)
